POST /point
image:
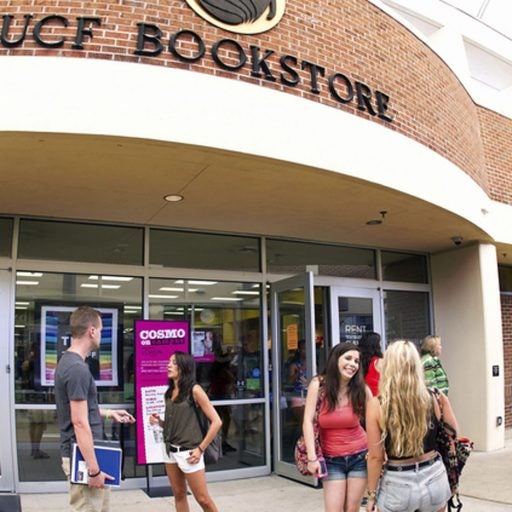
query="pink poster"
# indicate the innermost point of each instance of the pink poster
(155, 342)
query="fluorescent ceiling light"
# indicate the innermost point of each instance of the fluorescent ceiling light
(20, 326)
(244, 292)
(227, 298)
(204, 283)
(21, 307)
(112, 278)
(104, 286)
(172, 289)
(29, 274)
(28, 283)
(175, 313)
(19, 303)
(133, 307)
(158, 296)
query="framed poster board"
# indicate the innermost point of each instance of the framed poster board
(56, 339)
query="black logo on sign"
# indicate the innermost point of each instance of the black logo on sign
(242, 16)
(241, 11)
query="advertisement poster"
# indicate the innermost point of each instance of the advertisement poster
(202, 346)
(155, 342)
(56, 339)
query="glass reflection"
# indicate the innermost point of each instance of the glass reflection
(41, 331)
(225, 331)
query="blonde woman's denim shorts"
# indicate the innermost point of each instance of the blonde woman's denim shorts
(180, 458)
(424, 489)
(346, 466)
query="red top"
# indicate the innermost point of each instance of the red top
(373, 376)
(341, 432)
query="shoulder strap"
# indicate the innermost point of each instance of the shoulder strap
(437, 396)
(319, 399)
(200, 420)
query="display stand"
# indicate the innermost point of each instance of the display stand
(10, 503)
(156, 492)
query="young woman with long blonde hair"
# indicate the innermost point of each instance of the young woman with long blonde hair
(402, 424)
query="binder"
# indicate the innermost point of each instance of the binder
(109, 458)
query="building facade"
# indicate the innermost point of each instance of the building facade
(280, 175)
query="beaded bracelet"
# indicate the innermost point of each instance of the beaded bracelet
(94, 475)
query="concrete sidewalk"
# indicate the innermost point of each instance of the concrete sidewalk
(486, 487)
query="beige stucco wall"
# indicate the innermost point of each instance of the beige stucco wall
(467, 315)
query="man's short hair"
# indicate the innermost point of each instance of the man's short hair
(83, 318)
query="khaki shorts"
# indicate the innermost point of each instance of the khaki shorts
(84, 499)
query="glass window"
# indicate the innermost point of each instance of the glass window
(200, 250)
(226, 343)
(5, 237)
(71, 241)
(44, 302)
(225, 331)
(505, 276)
(285, 257)
(407, 316)
(38, 446)
(407, 268)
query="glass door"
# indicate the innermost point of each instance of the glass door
(294, 362)
(6, 370)
(354, 311)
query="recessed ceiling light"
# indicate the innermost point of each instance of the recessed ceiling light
(174, 198)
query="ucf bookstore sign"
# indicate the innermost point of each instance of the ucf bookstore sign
(289, 70)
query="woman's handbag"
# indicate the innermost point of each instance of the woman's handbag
(301, 453)
(454, 451)
(213, 451)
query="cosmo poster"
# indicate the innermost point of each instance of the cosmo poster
(155, 342)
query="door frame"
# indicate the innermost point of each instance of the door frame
(299, 281)
(308, 281)
(364, 293)
(7, 445)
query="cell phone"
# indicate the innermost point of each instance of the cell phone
(322, 472)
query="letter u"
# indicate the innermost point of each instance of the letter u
(5, 31)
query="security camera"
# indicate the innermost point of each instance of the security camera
(457, 240)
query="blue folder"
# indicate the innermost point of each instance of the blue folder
(109, 459)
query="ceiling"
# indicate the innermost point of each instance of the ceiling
(123, 180)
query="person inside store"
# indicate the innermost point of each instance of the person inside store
(435, 375)
(343, 395)
(78, 413)
(37, 422)
(371, 358)
(223, 387)
(184, 441)
(402, 424)
(297, 378)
